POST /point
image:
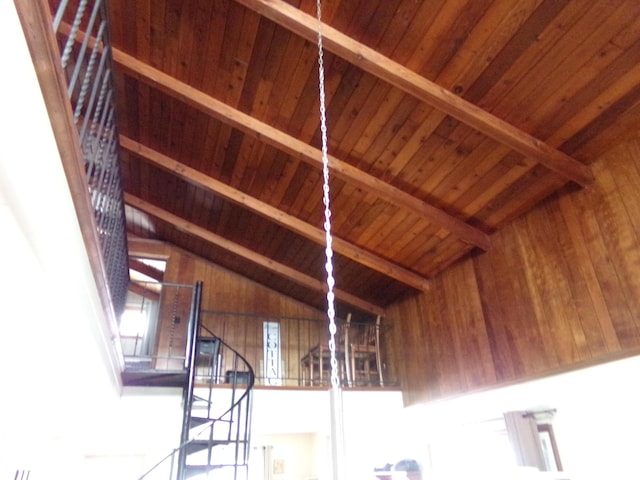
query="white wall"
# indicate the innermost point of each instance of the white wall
(370, 428)
(56, 369)
(596, 423)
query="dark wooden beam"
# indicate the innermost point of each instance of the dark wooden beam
(429, 92)
(248, 254)
(147, 270)
(290, 222)
(297, 148)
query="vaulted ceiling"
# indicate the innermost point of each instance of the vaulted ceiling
(447, 119)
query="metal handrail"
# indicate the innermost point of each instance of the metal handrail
(191, 434)
(82, 31)
(298, 337)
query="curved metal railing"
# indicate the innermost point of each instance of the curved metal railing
(217, 423)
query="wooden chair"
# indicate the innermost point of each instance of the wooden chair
(316, 365)
(362, 344)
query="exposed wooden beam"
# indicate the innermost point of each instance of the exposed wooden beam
(147, 270)
(248, 254)
(290, 222)
(147, 248)
(297, 148)
(429, 92)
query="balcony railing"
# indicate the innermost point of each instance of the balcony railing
(294, 352)
(283, 351)
(82, 33)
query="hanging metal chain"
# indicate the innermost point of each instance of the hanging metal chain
(331, 311)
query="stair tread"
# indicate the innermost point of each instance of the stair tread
(208, 419)
(212, 466)
(154, 378)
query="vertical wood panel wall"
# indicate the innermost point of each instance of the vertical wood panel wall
(225, 291)
(559, 289)
(228, 291)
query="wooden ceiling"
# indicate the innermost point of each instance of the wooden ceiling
(447, 119)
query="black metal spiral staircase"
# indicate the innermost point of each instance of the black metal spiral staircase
(217, 421)
(217, 387)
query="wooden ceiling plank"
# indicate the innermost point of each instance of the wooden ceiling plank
(356, 88)
(288, 221)
(512, 73)
(593, 77)
(533, 32)
(423, 89)
(296, 148)
(429, 120)
(253, 98)
(560, 60)
(510, 204)
(248, 254)
(203, 22)
(465, 156)
(496, 26)
(509, 169)
(214, 43)
(147, 248)
(617, 90)
(469, 172)
(450, 20)
(391, 131)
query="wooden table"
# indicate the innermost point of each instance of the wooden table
(316, 365)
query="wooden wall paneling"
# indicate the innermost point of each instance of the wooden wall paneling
(506, 360)
(587, 207)
(559, 289)
(226, 291)
(627, 179)
(571, 254)
(620, 236)
(520, 322)
(545, 267)
(174, 307)
(423, 370)
(438, 370)
(409, 346)
(470, 340)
